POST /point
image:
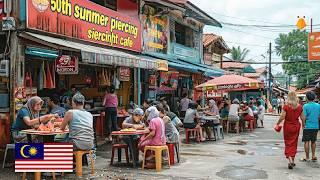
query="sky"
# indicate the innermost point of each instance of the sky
(258, 12)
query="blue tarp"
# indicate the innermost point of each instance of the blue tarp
(189, 67)
(196, 68)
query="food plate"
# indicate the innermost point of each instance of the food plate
(128, 130)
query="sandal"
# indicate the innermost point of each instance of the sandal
(314, 159)
(304, 160)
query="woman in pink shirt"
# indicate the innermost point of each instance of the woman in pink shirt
(155, 133)
(110, 102)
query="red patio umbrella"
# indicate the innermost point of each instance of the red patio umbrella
(230, 83)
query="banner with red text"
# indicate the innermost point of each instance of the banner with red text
(85, 20)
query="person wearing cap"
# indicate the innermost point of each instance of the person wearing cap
(134, 121)
(54, 107)
(80, 122)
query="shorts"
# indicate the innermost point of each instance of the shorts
(189, 125)
(310, 135)
(233, 118)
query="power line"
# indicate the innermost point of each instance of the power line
(245, 19)
(247, 44)
(252, 34)
(263, 26)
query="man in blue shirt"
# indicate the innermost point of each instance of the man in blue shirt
(310, 124)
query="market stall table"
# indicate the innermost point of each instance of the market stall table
(131, 135)
(211, 121)
(48, 136)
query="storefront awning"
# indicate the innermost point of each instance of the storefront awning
(93, 54)
(196, 68)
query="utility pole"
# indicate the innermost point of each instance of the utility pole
(270, 88)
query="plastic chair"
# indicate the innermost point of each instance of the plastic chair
(251, 125)
(78, 155)
(119, 147)
(8, 146)
(173, 147)
(194, 130)
(158, 153)
(218, 130)
(237, 126)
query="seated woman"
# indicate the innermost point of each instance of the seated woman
(134, 121)
(80, 122)
(29, 117)
(213, 108)
(172, 134)
(155, 133)
(175, 120)
(191, 119)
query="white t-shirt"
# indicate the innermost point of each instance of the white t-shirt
(250, 112)
(233, 111)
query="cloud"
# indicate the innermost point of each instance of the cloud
(257, 12)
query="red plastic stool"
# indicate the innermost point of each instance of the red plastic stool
(119, 147)
(194, 130)
(172, 147)
(251, 125)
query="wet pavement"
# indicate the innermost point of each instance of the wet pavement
(256, 155)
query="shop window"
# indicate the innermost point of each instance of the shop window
(111, 4)
(184, 35)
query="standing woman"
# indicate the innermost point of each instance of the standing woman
(291, 128)
(110, 102)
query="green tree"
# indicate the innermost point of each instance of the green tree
(239, 54)
(294, 47)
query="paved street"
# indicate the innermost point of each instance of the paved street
(257, 155)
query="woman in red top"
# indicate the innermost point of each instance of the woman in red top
(291, 128)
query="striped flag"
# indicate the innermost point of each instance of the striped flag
(43, 157)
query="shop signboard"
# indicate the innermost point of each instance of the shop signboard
(124, 73)
(162, 65)
(169, 80)
(314, 46)
(85, 20)
(67, 65)
(230, 86)
(152, 81)
(155, 31)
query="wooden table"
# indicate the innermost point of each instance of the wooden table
(130, 134)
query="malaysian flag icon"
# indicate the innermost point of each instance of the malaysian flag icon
(44, 157)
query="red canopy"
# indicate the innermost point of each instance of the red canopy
(230, 83)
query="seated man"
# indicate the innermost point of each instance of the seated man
(80, 122)
(134, 121)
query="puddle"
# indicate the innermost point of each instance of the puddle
(313, 165)
(238, 142)
(236, 172)
(241, 151)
